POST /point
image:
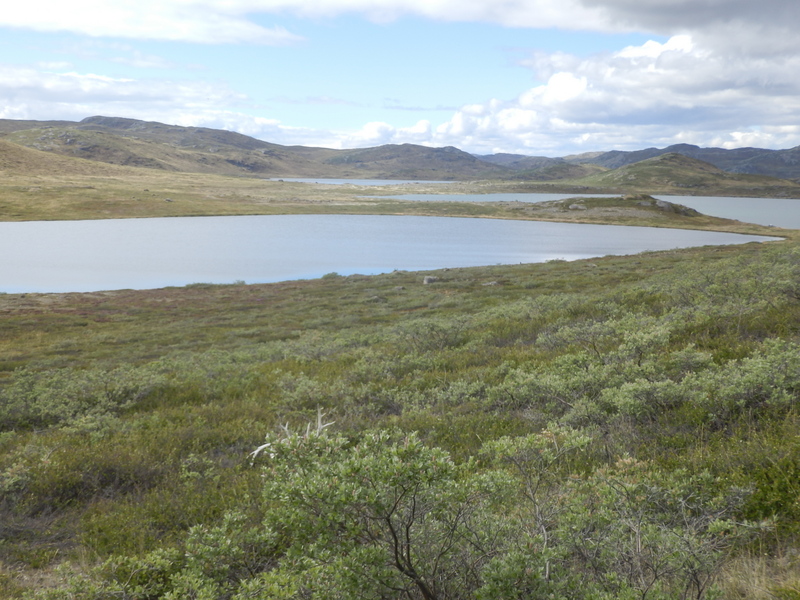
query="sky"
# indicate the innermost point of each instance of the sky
(535, 77)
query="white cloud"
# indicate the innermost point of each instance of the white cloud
(26, 93)
(378, 133)
(562, 87)
(230, 21)
(175, 20)
(511, 13)
(653, 50)
(72, 95)
(653, 94)
(742, 27)
(658, 93)
(726, 75)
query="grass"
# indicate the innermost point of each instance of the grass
(140, 193)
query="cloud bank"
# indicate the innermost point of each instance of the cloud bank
(724, 72)
(673, 92)
(230, 21)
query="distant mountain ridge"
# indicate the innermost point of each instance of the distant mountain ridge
(784, 164)
(131, 142)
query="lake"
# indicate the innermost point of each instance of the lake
(80, 256)
(780, 212)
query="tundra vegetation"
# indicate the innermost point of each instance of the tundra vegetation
(617, 428)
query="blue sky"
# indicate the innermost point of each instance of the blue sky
(537, 77)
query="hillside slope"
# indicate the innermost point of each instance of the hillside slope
(174, 149)
(131, 142)
(17, 160)
(202, 150)
(403, 161)
(675, 173)
(783, 164)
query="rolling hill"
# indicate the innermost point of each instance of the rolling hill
(153, 145)
(17, 160)
(170, 148)
(784, 164)
(674, 173)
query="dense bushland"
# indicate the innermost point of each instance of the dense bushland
(615, 428)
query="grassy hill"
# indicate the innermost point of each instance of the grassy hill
(182, 150)
(783, 164)
(195, 149)
(680, 175)
(21, 161)
(157, 146)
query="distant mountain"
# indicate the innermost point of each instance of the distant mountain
(541, 168)
(520, 161)
(131, 142)
(675, 173)
(409, 161)
(784, 164)
(754, 161)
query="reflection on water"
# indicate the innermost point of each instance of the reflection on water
(61, 256)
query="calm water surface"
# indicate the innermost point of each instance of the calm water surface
(780, 212)
(77, 256)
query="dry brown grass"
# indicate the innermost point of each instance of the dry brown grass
(762, 578)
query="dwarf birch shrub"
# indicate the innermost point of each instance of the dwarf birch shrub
(38, 399)
(385, 517)
(539, 462)
(643, 400)
(769, 379)
(427, 335)
(635, 531)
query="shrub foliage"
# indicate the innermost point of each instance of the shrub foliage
(615, 429)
